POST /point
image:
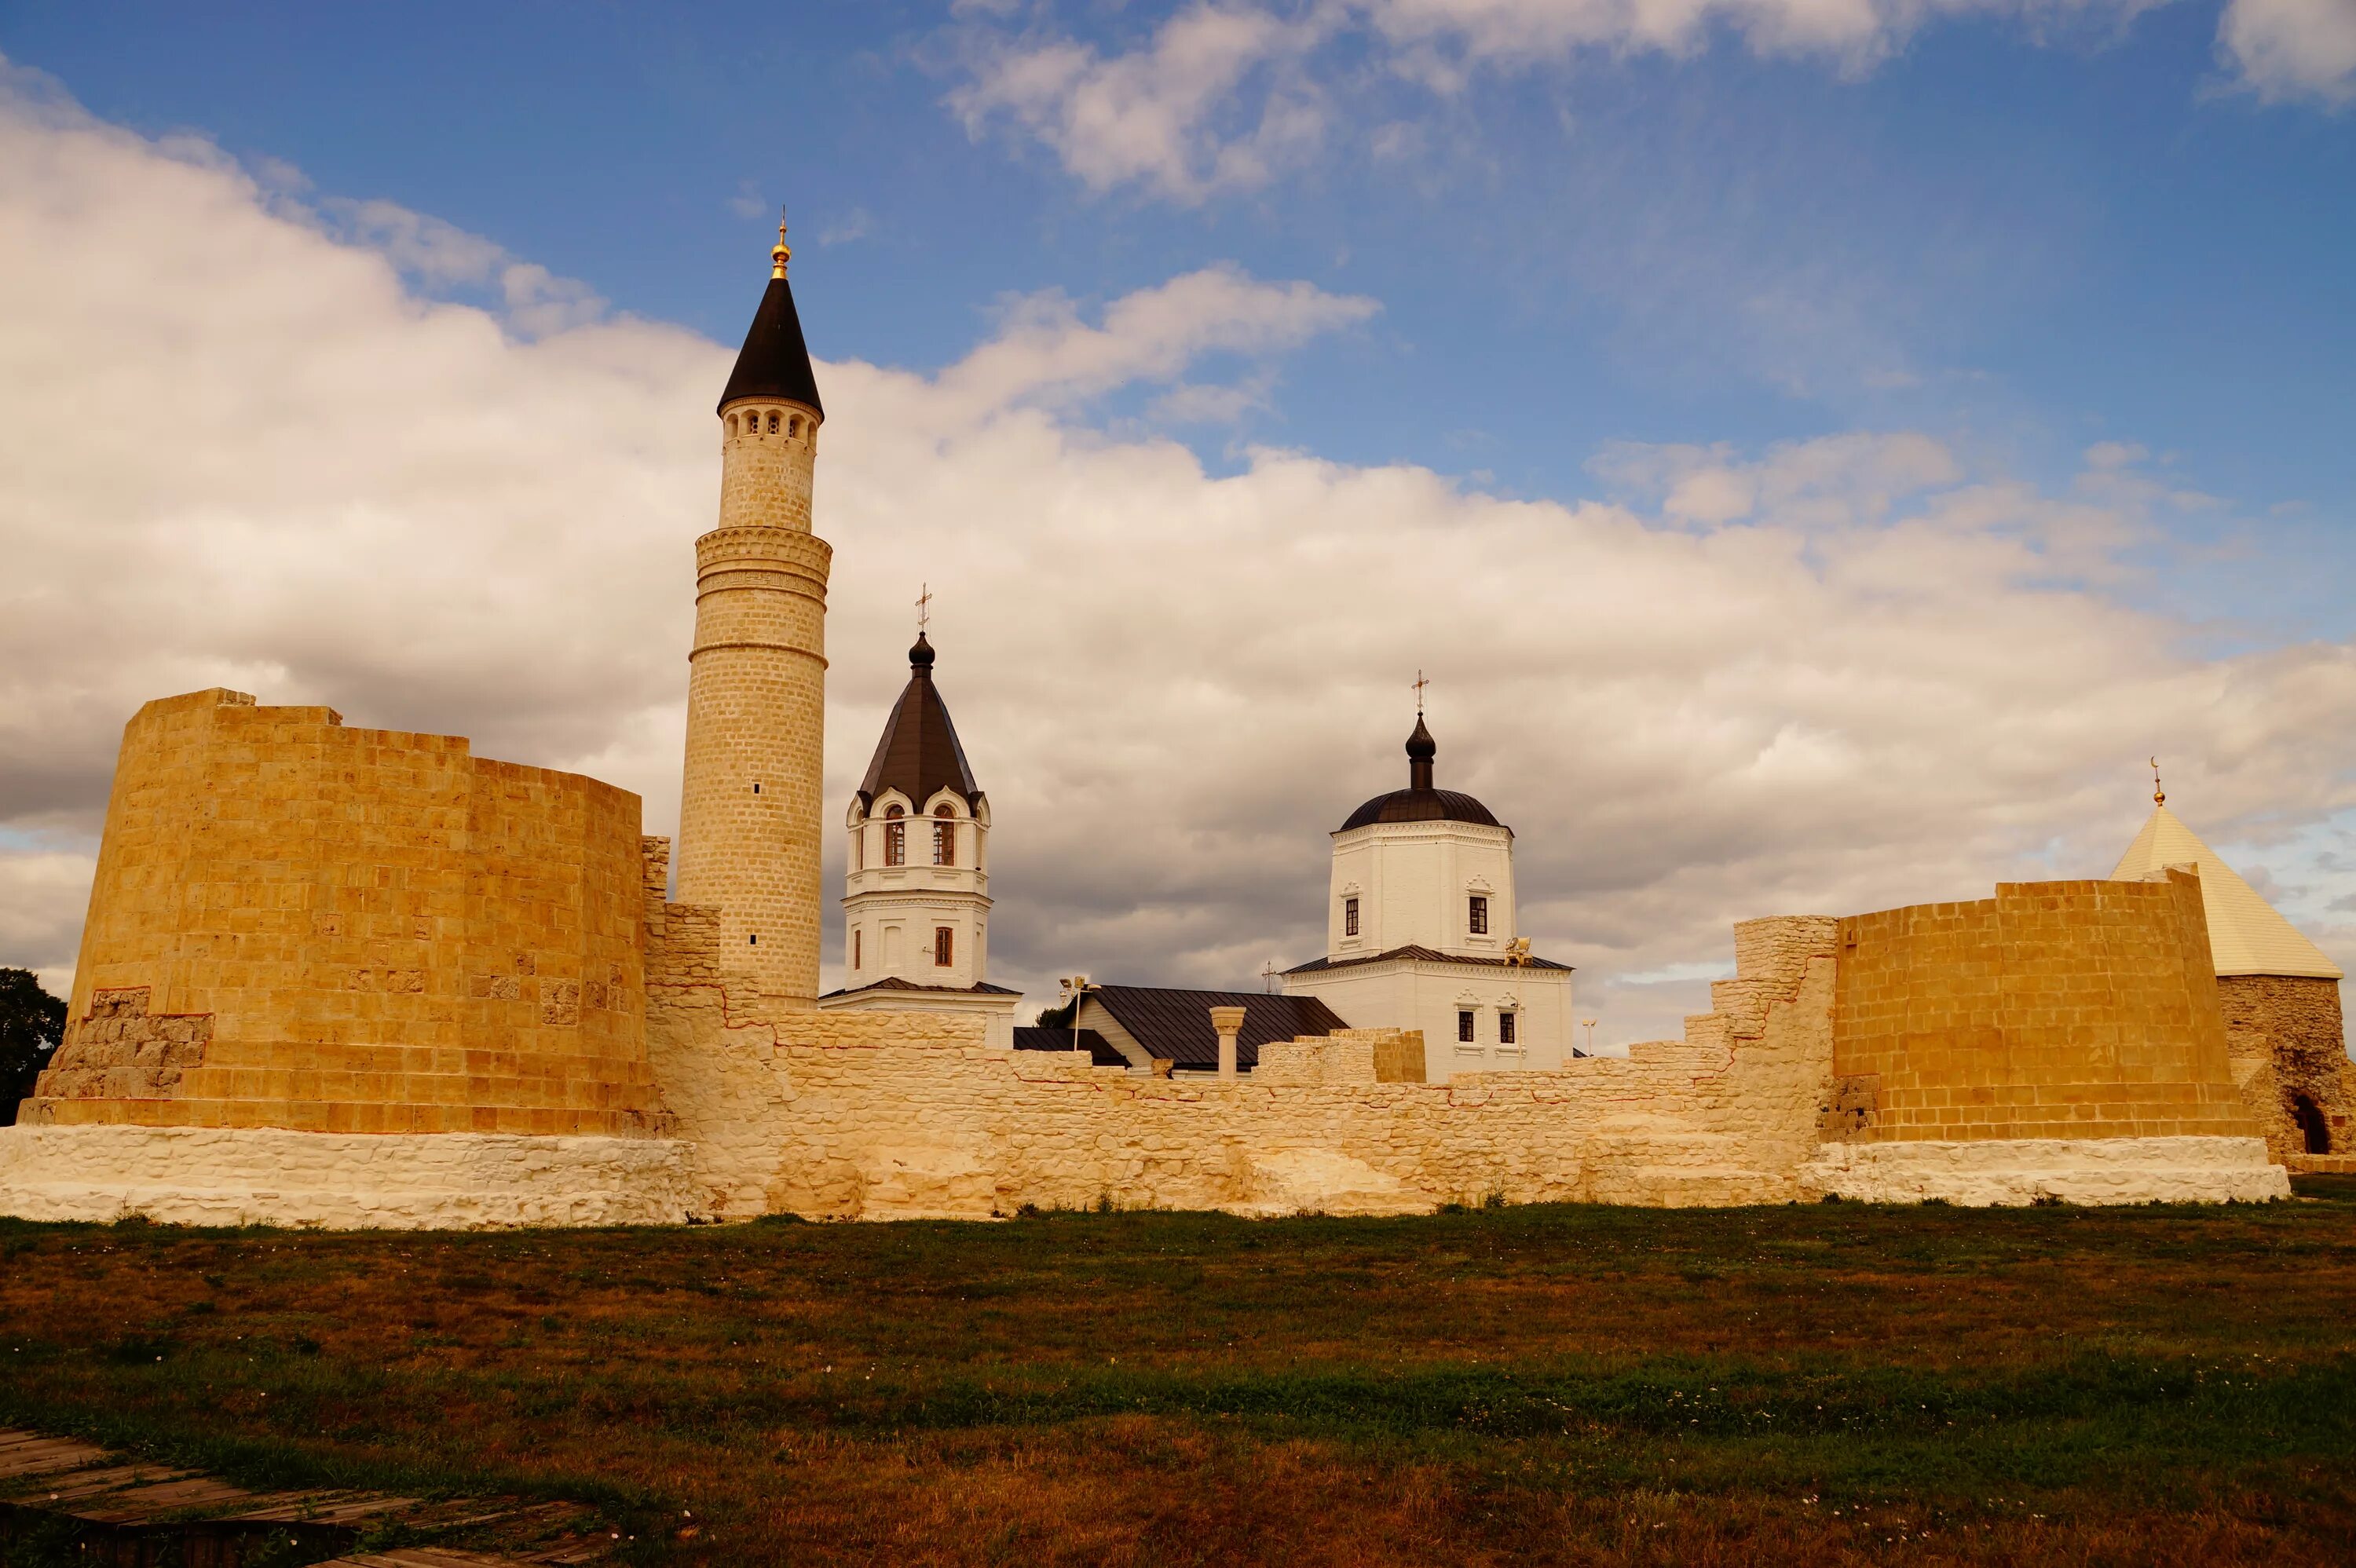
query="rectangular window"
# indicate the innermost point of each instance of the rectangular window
(1505, 1028)
(944, 843)
(1480, 915)
(857, 948)
(1465, 1024)
(1349, 917)
(895, 843)
(943, 945)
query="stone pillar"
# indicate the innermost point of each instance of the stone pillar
(1226, 1022)
(751, 815)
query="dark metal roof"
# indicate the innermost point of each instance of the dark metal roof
(1420, 802)
(775, 361)
(1420, 805)
(919, 753)
(1315, 965)
(1175, 1025)
(1101, 1052)
(894, 982)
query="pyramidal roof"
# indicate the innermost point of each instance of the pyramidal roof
(919, 755)
(2247, 936)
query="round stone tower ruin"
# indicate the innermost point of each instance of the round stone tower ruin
(750, 811)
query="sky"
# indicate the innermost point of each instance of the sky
(1817, 449)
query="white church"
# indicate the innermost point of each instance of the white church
(1421, 926)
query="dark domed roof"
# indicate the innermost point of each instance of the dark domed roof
(1420, 802)
(1421, 805)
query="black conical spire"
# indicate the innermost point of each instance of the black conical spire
(775, 361)
(1420, 749)
(919, 752)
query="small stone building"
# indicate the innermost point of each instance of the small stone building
(2280, 997)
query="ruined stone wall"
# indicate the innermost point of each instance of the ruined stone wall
(2286, 1038)
(2078, 1009)
(299, 926)
(885, 1115)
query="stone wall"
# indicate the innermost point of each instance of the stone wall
(883, 1115)
(299, 926)
(2284, 1036)
(2079, 1009)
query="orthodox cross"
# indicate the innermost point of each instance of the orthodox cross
(923, 608)
(1420, 684)
(1268, 976)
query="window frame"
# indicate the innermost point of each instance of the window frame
(1350, 916)
(1468, 1022)
(1508, 1030)
(944, 947)
(1476, 914)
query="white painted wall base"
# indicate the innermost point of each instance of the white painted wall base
(206, 1175)
(2076, 1170)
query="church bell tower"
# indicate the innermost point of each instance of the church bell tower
(750, 810)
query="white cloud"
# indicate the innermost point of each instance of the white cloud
(1225, 95)
(2292, 49)
(1832, 676)
(1045, 352)
(1162, 116)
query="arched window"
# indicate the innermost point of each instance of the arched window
(944, 834)
(944, 947)
(794, 425)
(773, 424)
(896, 837)
(2310, 1118)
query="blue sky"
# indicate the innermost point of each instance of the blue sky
(2026, 247)
(1968, 385)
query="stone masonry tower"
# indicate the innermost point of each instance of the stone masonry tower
(750, 811)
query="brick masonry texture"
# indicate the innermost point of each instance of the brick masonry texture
(300, 925)
(2283, 1033)
(2053, 1011)
(757, 704)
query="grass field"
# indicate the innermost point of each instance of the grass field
(1824, 1383)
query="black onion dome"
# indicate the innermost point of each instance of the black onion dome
(775, 362)
(1420, 802)
(919, 753)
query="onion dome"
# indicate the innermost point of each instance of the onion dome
(774, 365)
(919, 755)
(1420, 802)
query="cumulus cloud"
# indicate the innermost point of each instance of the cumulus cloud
(1832, 675)
(2292, 50)
(1225, 95)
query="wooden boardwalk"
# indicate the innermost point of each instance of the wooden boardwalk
(135, 1508)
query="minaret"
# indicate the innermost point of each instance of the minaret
(750, 810)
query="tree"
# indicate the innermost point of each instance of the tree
(1056, 1017)
(32, 1022)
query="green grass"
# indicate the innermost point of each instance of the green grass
(1816, 1383)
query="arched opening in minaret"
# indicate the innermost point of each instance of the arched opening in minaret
(944, 834)
(2311, 1124)
(896, 837)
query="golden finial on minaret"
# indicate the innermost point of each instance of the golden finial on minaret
(2159, 796)
(781, 253)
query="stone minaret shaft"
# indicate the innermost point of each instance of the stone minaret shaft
(751, 815)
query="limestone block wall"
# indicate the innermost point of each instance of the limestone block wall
(2077, 1009)
(299, 926)
(2286, 1038)
(751, 815)
(883, 1115)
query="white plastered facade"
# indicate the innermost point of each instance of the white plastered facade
(1413, 885)
(893, 913)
